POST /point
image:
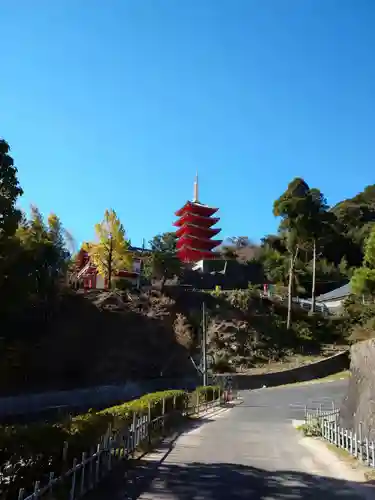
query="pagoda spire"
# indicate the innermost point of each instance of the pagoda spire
(196, 189)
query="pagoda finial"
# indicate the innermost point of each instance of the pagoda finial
(195, 197)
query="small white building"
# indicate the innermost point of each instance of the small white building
(334, 299)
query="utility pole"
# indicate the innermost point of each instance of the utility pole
(204, 343)
(313, 301)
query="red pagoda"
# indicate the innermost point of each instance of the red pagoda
(195, 230)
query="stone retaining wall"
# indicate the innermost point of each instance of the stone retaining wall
(358, 408)
(319, 369)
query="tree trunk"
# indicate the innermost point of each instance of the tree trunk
(110, 255)
(313, 278)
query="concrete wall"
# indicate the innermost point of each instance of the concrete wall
(320, 369)
(358, 408)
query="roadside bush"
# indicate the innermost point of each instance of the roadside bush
(312, 429)
(205, 393)
(363, 332)
(31, 452)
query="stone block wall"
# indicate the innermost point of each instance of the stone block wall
(358, 408)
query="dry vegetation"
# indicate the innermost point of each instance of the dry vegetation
(111, 337)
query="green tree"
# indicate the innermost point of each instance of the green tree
(164, 242)
(163, 262)
(314, 225)
(306, 222)
(291, 207)
(369, 259)
(10, 190)
(240, 241)
(363, 279)
(45, 251)
(111, 253)
(10, 216)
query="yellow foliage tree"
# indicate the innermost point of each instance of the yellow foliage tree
(111, 253)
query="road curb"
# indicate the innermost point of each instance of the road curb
(327, 460)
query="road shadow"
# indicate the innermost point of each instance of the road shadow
(222, 481)
(130, 477)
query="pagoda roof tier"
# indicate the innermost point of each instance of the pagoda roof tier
(202, 243)
(204, 232)
(196, 208)
(198, 220)
(191, 254)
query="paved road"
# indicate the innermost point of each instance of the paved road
(289, 403)
(251, 451)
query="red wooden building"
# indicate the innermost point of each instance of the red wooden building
(195, 231)
(89, 278)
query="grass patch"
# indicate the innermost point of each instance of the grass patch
(330, 378)
(354, 463)
(337, 376)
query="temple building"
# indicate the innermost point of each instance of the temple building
(89, 278)
(195, 231)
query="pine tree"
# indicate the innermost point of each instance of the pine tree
(10, 190)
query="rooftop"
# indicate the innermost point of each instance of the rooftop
(338, 293)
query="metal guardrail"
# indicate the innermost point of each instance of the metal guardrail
(351, 441)
(93, 466)
(318, 415)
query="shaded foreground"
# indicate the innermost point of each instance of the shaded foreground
(225, 481)
(251, 451)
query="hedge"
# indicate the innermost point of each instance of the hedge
(30, 452)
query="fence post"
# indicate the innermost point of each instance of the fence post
(83, 463)
(337, 437)
(65, 452)
(348, 441)
(97, 468)
(91, 479)
(163, 415)
(110, 446)
(36, 488)
(73, 487)
(50, 484)
(149, 428)
(134, 431)
(197, 402)
(367, 448)
(360, 441)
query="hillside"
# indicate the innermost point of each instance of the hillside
(105, 338)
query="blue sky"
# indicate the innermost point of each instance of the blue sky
(118, 103)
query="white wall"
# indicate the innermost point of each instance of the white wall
(198, 266)
(136, 266)
(99, 282)
(334, 305)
